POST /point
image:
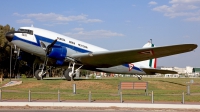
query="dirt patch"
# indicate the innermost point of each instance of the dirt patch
(196, 84)
(30, 85)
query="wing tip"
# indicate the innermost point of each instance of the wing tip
(192, 46)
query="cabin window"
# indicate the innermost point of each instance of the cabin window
(71, 42)
(60, 38)
(82, 46)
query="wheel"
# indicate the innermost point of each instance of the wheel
(67, 74)
(38, 74)
(139, 77)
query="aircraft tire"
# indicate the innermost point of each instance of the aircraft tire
(66, 74)
(140, 78)
(37, 74)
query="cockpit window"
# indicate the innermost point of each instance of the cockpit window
(27, 31)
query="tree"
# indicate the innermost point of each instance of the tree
(4, 48)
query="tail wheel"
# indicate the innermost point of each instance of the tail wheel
(68, 74)
(139, 77)
(38, 74)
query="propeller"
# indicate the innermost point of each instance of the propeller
(48, 48)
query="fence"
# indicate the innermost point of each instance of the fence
(61, 96)
(104, 95)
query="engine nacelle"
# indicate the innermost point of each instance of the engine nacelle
(59, 53)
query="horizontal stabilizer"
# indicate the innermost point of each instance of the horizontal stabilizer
(152, 71)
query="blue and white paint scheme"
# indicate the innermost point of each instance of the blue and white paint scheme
(74, 54)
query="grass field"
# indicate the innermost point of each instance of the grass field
(165, 89)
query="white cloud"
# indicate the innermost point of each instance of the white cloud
(17, 14)
(58, 18)
(163, 8)
(91, 21)
(92, 34)
(187, 9)
(193, 19)
(184, 1)
(25, 21)
(152, 3)
(55, 23)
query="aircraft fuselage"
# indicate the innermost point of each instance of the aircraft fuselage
(31, 42)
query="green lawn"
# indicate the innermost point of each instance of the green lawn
(165, 89)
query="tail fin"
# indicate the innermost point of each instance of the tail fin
(151, 63)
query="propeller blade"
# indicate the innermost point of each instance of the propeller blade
(52, 44)
(48, 50)
(43, 46)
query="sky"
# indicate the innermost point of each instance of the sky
(114, 24)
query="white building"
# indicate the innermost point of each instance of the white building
(180, 70)
(177, 69)
(188, 71)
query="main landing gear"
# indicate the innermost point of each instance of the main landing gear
(70, 73)
(41, 72)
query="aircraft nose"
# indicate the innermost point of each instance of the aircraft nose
(9, 36)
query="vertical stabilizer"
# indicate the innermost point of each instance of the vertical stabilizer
(151, 63)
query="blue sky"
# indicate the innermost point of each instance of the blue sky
(114, 24)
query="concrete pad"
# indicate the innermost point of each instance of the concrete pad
(12, 83)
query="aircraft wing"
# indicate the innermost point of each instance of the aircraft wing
(118, 57)
(152, 71)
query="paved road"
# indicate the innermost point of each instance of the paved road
(75, 109)
(95, 107)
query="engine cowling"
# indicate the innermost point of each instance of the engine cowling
(59, 53)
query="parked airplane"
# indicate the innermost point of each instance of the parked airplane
(59, 50)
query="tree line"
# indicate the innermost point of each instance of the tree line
(4, 50)
(18, 67)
